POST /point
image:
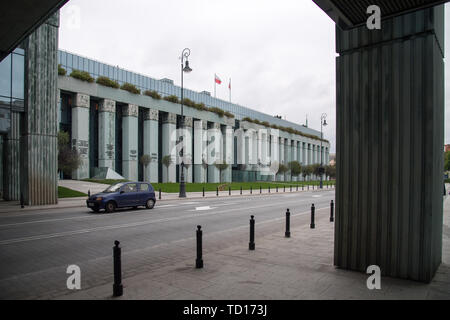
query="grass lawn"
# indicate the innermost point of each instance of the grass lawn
(198, 187)
(69, 193)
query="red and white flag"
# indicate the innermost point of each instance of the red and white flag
(217, 79)
(229, 86)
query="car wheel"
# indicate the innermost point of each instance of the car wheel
(150, 204)
(110, 207)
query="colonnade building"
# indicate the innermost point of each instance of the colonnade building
(112, 128)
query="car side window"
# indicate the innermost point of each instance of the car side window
(130, 188)
(145, 187)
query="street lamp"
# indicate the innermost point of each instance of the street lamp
(184, 68)
(323, 123)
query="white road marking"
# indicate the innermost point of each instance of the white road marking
(203, 208)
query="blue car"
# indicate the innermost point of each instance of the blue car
(122, 195)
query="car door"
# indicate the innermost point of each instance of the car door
(144, 193)
(129, 195)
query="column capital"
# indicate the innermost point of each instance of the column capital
(169, 118)
(151, 114)
(81, 101)
(130, 110)
(107, 105)
(188, 121)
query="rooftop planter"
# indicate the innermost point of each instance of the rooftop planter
(82, 75)
(130, 88)
(107, 82)
(153, 94)
(286, 129)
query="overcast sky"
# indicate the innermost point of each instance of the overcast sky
(279, 54)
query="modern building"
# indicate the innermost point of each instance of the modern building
(112, 128)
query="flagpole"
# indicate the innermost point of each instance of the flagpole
(214, 85)
(229, 86)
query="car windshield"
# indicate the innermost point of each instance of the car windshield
(114, 187)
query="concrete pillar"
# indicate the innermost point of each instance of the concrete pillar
(106, 133)
(274, 151)
(185, 136)
(200, 155)
(80, 134)
(130, 114)
(39, 127)
(294, 155)
(282, 158)
(227, 133)
(151, 141)
(169, 137)
(214, 152)
(390, 135)
(11, 158)
(288, 155)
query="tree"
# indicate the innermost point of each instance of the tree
(221, 167)
(205, 168)
(306, 171)
(69, 159)
(296, 168)
(316, 169)
(330, 171)
(145, 160)
(282, 169)
(167, 161)
(447, 161)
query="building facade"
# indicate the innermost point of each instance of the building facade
(114, 128)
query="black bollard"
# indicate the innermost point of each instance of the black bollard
(199, 260)
(217, 191)
(284, 188)
(203, 192)
(229, 191)
(313, 209)
(269, 189)
(303, 187)
(290, 188)
(287, 234)
(251, 245)
(21, 200)
(260, 189)
(297, 188)
(159, 193)
(277, 189)
(251, 189)
(117, 286)
(89, 193)
(308, 187)
(332, 211)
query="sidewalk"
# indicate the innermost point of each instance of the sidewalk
(300, 267)
(14, 206)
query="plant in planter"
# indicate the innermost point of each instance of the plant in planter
(130, 88)
(82, 75)
(107, 82)
(153, 94)
(61, 70)
(172, 98)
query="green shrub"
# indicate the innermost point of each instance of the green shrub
(61, 70)
(153, 94)
(218, 111)
(172, 98)
(107, 82)
(130, 88)
(229, 114)
(82, 75)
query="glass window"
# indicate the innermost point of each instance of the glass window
(18, 76)
(5, 77)
(145, 187)
(131, 187)
(91, 66)
(100, 71)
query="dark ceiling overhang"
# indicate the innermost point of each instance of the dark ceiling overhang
(19, 18)
(348, 14)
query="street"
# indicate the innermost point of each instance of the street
(37, 247)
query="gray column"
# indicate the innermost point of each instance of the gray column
(151, 140)
(185, 137)
(80, 134)
(106, 133)
(11, 158)
(169, 146)
(390, 136)
(38, 141)
(130, 114)
(282, 158)
(214, 151)
(200, 156)
(228, 152)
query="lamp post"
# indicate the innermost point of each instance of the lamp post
(323, 123)
(184, 68)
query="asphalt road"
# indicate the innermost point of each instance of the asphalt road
(36, 247)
